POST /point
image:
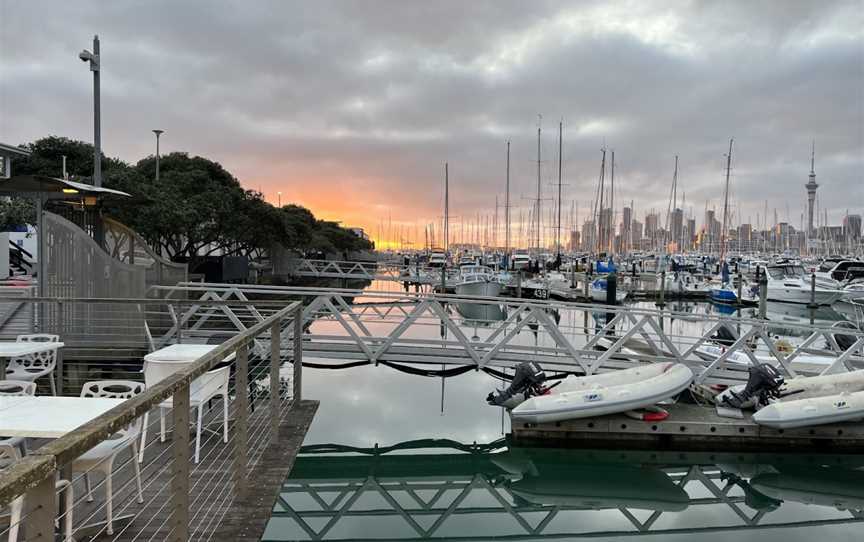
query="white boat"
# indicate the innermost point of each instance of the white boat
(806, 387)
(841, 407)
(710, 352)
(477, 280)
(788, 283)
(607, 393)
(838, 488)
(437, 259)
(598, 290)
(521, 260)
(840, 270)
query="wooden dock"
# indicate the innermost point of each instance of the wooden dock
(215, 512)
(690, 427)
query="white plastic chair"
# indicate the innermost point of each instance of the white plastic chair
(8, 456)
(101, 457)
(207, 386)
(16, 388)
(33, 366)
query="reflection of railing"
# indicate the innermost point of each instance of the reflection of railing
(420, 328)
(518, 494)
(126, 245)
(177, 499)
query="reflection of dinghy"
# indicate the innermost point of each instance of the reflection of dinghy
(480, 313)
(601, 486)
(607, 393)
(823, 486)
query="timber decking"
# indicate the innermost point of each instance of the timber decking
(215, 513)
(690, 427)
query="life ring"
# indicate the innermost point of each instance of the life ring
(648, 414)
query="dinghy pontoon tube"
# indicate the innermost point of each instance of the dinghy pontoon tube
(607, 393)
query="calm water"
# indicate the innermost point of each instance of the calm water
(450, 474)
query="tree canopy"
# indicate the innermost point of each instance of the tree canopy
(197, 207)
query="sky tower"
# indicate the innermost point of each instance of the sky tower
(811, 187)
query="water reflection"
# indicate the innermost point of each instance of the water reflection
(475, 314)
(444, 489)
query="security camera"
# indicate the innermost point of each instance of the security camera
(85, 55)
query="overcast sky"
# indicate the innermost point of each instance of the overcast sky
(352, 108)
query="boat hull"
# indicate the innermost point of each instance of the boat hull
(479, 288)
(812, 411)
(607, 393)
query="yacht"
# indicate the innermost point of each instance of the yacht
(437, 259)
(521, 260)
(840, 270)
(789, 283)
(477, 280)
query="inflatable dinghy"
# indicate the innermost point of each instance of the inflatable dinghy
(607, 393)
(842, 407)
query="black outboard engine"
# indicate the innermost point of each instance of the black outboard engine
(763, 383)
(723, 336)
(527, 380)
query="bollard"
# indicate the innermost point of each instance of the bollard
(661, 301)
(812, 304)
(585, 287)
(611, 288)
(573, 268)
(634, 270)
(763, 296)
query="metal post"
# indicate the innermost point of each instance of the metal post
(298, 355)
(812, 304)
(241, 419)
(763, 296)
(740, 288)
(97, 116)
(180, 466)
(158, 133)
(661, 301)
(58, 329)
(275, 359)
(519, 284)
(443, 279)
(41, 508)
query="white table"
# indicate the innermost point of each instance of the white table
(183, 352)
(49, 417)
(9, 350)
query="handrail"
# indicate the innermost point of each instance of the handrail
(29, 473)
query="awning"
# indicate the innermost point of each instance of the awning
(12, 149)
(53, 188)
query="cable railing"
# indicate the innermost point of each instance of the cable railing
(135, 472)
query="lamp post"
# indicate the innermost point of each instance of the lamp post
(279, 198)
(158, 133)
(93, 59)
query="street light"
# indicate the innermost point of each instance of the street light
(93, 59)
(158, 133)
(279, 198)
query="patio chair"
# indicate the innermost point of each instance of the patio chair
(8, 456)
(204, 388)
(16, 388)
(34, 366)
(102, 456)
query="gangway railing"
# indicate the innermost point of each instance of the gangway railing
(171, 494)
(423, 328)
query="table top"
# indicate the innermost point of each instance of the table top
(183, 352)
(48, 416)
(10, 349)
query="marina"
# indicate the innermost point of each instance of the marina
(402, 272)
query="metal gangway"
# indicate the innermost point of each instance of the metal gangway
(492, 492)
(357, 326)
(370, 271)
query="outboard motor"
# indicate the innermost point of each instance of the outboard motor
(527, 380)
(723, 336)
(763, 384)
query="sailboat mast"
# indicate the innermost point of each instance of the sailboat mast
(612, 206)
(446, 208)
(560, 160)
(724, 233)
(599, 217)
(537, 214)
(507, 206)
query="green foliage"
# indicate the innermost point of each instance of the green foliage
(196, 208)
(16, 212)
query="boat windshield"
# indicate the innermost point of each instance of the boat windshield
(781, 272)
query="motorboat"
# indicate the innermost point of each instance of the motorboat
(840, 270)
(599, 289)
(521, 261)
(437, 259)
(477, 280)
(606, 393)
(788, 283)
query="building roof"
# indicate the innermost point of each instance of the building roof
(55, 188)
(12, 149)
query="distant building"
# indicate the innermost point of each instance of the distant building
(359, 232)
(677, 228)
(651, 229)
(7, 154)
(852, 227)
